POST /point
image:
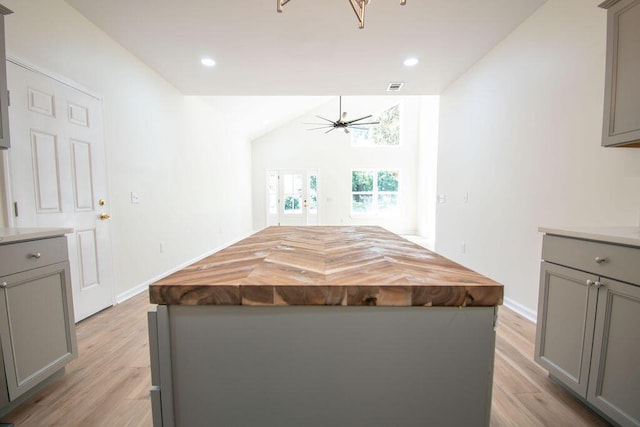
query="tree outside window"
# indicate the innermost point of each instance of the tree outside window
(374, 192)
(387, 132)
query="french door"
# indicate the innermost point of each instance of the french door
(292, 197)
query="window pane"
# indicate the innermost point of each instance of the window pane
(387, 202)
(387, 132)
(361, 181)
(313, 194)
(388, 181)
(362, 203)
(273, 194)
(292, 193)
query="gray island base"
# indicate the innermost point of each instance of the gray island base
(322, 366)
(323, 326)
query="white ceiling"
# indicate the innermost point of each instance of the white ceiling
(313, 48)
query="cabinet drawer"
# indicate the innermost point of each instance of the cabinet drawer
(16, 257)
(616, 262)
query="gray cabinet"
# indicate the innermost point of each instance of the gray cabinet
(621, 126)
(587, 335)
(4, 97)
(37, 329)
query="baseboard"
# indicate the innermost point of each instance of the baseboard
(523, 311)
(138, 289)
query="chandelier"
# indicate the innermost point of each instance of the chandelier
(358, 7)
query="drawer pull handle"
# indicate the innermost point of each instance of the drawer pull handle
(37, 255)
(600, 260)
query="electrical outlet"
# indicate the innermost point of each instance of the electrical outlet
(465, 197)
(161, 247)
(135, 199)
(442, 198)
(463, 247)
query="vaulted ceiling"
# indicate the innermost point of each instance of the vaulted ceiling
(313, 48)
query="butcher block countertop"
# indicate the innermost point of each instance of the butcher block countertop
(321, 265)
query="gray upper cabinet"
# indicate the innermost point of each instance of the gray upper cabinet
(4, 96)
(621, 126)
(587, 333)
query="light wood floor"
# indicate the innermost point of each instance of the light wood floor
(108, 384)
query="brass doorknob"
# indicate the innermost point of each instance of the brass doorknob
(105, 216)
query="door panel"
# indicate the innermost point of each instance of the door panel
(44, 158)
(82, 175)
(57, 174)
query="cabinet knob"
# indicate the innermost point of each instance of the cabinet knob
(599, 284)
(590, 282)
(600, 260)
(37, 255)
(3, 285)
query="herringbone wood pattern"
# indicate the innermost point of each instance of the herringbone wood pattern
(327, 266)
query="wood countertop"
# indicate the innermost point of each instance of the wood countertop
(326, 266)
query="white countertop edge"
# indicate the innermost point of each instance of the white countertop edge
(619, 235)
(13, 235)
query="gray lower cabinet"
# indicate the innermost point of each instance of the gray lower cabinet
(37, 329)
(587, 332)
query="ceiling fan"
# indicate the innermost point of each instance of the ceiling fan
(342, 122)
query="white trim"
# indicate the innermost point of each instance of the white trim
(138, 289)
(522, 310)
(55, 76)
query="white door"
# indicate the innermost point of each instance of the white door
(297, 197)
(57, 175)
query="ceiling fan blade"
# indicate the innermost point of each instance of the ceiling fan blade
(366, 123)
(322, 127)
(333, 128)
(319, 124)
(330, 121)
(354, 127)
(361, 118)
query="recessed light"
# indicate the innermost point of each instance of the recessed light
(208, 62)
(410, 62)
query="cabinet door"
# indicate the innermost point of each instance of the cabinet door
(622, 84)
(4, 97)
(36, 325)
(566, 316)
(614, 385)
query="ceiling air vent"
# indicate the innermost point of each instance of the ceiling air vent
(394, 86)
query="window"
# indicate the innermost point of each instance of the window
(387, 132)
(374, 192)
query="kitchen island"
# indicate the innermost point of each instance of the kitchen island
(318, 326)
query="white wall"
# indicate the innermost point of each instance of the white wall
(294, 146)
(174, 151)
(520, 132)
